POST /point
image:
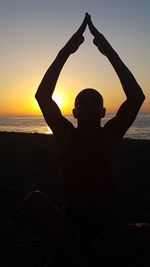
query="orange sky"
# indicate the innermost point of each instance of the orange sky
(32, 38)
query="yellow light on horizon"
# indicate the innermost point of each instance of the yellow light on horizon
(34, 106)
(30, 106)
(22, 102)
(60, 99)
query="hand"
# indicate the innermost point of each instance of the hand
(99, 40)
(77, 39)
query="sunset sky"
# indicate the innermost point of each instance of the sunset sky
(33, 32)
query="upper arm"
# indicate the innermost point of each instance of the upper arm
(53, 117)
(124, 118)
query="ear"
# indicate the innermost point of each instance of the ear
(74, 113)
(103, 112)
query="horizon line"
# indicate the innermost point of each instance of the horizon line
(64, 114)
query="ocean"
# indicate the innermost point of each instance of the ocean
(140, 129)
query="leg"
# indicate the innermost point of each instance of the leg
(53, 227)
(128, 243)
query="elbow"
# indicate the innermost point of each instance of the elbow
(41, 98)
(142, 98)
(137, 100)
(141, 95)
(38, 97)
(39, 94)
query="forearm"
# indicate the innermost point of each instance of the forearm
(48, 83)
(130, 86)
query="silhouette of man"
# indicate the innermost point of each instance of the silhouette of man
(89, 155)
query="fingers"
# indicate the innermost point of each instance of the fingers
(83, 25)
(92, 28)
(87, 21)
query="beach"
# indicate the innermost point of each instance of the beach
(29, 162)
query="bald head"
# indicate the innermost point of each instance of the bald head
(88, 95)
(89, 106)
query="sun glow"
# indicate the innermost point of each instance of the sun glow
(62, 100)
(59, 99)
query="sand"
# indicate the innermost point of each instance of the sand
(29, 162)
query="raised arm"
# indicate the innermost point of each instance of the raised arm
(49, 108)
(134, 94)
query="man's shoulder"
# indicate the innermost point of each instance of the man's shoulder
(67, 133)
(112, 129)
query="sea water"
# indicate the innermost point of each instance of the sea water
(140, 129)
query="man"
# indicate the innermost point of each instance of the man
(89, 155)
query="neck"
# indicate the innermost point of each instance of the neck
(88, 128)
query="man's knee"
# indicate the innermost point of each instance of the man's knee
(32, 198)
(50, 221)
(38, 204)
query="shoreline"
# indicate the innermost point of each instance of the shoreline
(51, 134)
(36, 124)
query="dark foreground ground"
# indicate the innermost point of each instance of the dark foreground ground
(28, 162)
